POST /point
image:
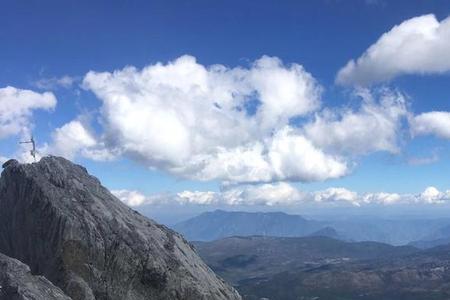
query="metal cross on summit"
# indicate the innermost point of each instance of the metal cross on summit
(33, 150)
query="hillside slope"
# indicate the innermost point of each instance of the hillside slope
(321, 268)
(258, 258)
(417, 276)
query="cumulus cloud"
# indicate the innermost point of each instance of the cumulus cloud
(17, 106)
(420, 45)
(283, 194)
(294, 157)
(70, 138)
(373, 127)
(431, 123)
(231, 124)
(255, 124)
(132, 198)
(74, 138)
(433, 195)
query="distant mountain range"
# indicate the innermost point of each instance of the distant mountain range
(394, 231)
(439, 237)
(221, 224)
(321, 268)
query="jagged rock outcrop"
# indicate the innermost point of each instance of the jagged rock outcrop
(66, 226)
(17, 283)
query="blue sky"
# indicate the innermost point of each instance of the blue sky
(50, 46)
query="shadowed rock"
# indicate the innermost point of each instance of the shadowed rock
(17, 283)
(65, 225)
(11, 162)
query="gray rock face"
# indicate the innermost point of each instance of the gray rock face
(11, 162)
(66, 226)
(17, 283)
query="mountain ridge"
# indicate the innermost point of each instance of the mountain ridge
(219, 224)
(59, 220)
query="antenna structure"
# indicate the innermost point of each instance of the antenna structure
(33, 150)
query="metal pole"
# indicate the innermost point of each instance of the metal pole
(33, 150)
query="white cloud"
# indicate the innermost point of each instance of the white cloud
(429, 196)
(266, 194)
(215, 122)
(71, 138)
(383, 198)
(374, 127)
(285, 156)
(283, 194)
(135, 198)
(131, 198)
(196, 197)
(23, 153)
(65, 81)
(17, 106)
(294, 157)
(234, 125)
(336, 195)
(75, 138)
(420, 45)
(284, 92)
(433, 195)
(435, 123)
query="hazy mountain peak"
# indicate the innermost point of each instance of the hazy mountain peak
(219, 224)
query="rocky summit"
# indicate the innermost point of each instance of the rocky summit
(68, 228)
